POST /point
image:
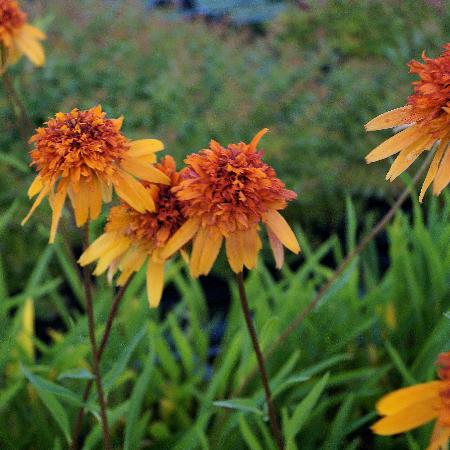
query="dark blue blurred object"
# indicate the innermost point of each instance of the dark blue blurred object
(239, 12)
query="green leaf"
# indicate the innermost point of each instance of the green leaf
(76, 374)
(249, 437)
(240, 404)
(137, 397)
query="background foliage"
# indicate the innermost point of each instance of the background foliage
(313, 77)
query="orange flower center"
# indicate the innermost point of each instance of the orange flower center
(443, 363)
(77, 144)
(11, 19)
(431, 99)
(151, 229)
(231, 188)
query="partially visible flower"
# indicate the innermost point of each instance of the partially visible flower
(83, 154)
(227, 192)
(131, 237)
(414, 406)
(428, 114)
(18, 37)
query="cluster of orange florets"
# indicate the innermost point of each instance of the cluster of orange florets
(230, 188)
(431, 99)
(77, 143)
(443, 363)
(11, 19)
(151, 229)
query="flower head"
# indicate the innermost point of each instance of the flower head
(226, 193)
(131, 237)
(414, 406)
(17, 37)
(428, 114)
(84, 154)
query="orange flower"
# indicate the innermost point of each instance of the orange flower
(83, 154)
(227, 192)
(428, 114)
(17, 37)
(414, 406)
(131, 236)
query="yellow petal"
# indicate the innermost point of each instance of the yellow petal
(35, 187)
(121, 245)
(155, 282)
(407, 156)
(443, 175)
(57, 204)
(31, 47)
(95, 198)
(439, 438)
(434, 166)
(101, 245)
(35, 32)
(405, 397)
(181, 237)
(118, 122)
(251, 245)
(144, 171)
(281, 229)
(144, 147)
(408, 418)
(254, 142)
(131, 262)
(394, 144)
(206, 246)
(80, 203)
(133, 192)
(234, 252)
(106, 191)
(389, 119)
(37, 202)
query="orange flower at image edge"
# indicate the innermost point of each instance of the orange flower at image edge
(83, 154)
(428, 114)
(132, 237)
(17, 37)
(226, 193)
(414, 406)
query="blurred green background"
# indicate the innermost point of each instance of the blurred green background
(312, 72)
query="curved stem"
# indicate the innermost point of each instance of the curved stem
(95, 352)
(87, 390)
(340, 269)
(262, 371)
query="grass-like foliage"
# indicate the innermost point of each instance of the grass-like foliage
(175, 380)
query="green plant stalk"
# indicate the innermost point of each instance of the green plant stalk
(95, 352)
(87, 390)
(293, 326)
(259, 356)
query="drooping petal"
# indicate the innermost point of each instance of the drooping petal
(57, 203)
(35, 32)
(35, 187)
(234, 252)
(131, 262)
(281, 229)
(251, 245)
(36, 203)
(434, 166)
(390, 119)
(143, 147)
(407, 156)
(95, 198)
(394, 144)
(133, 192)
(405, 397)
(121, 245)
(205, 248)
(181, 237)
(145, 171)
(277, 249)
(443, 175)
(155, 282)
(408, 418)
(80, 202)
(101, 245)
(31, 47)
